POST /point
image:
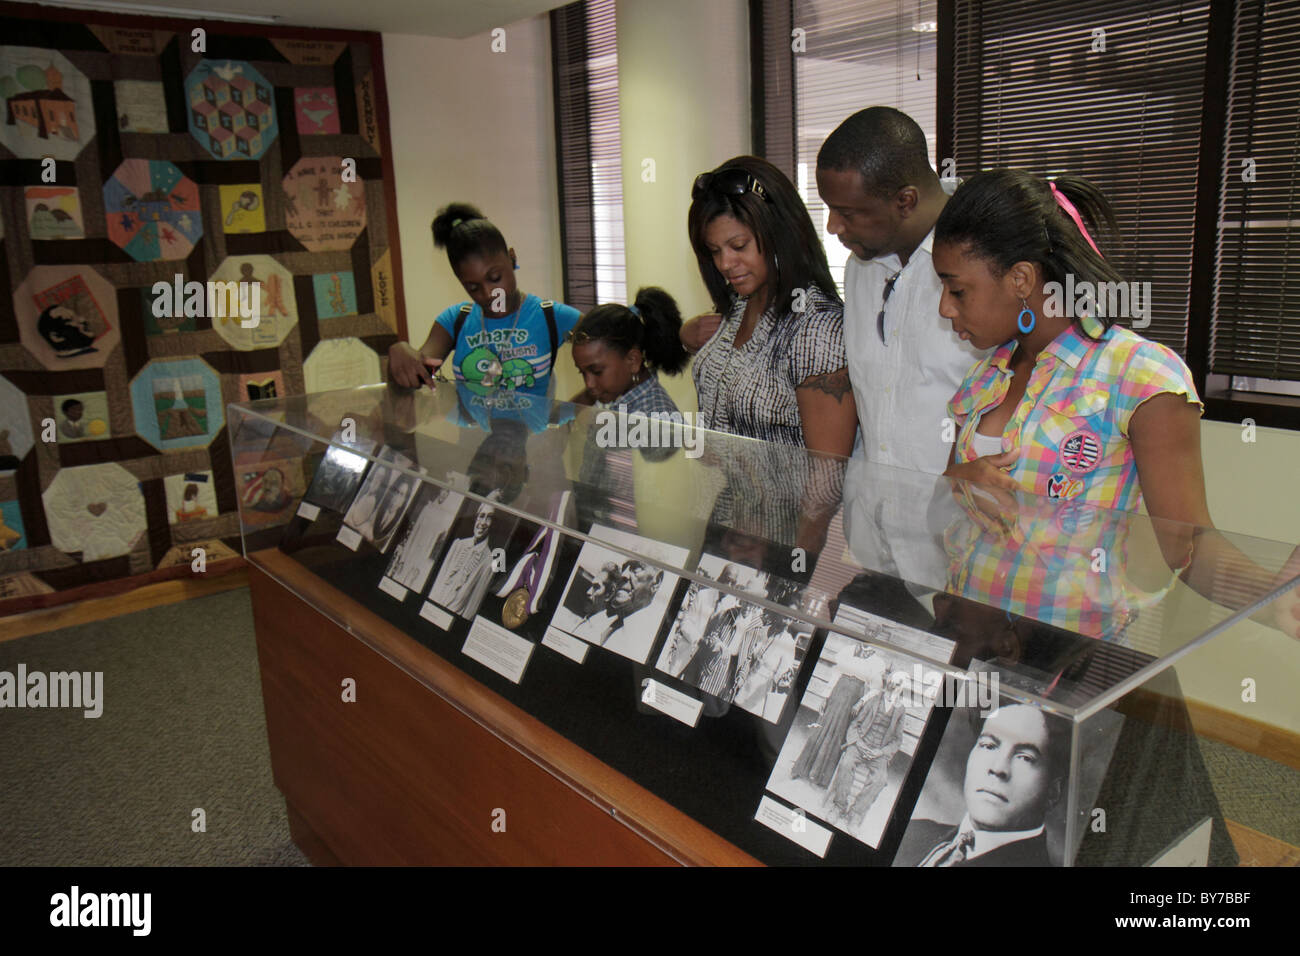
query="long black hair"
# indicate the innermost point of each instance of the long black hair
(464, 231)
(1007, 216)
(780, 224)
(654, 328)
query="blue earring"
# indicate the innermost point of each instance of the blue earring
(1020, 319)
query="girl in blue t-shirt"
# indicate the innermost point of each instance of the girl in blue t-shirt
(502, 338)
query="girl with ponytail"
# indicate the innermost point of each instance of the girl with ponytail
(620, 351)
(1071, 405)
(502, 337)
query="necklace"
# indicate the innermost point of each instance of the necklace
(494, 369)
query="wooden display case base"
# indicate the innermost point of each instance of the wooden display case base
(426, 765)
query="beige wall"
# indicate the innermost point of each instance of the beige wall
(470, 124)
(1252, 491)
(683, 103)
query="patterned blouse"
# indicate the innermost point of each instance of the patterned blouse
(1071, 427)
(750, 391)
(1071, 432)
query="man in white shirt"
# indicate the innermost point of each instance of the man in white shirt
(462, 580)
(905, 361)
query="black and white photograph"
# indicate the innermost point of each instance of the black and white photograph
(337, 478)
(996, 792)
(434, 512)
(467, 568)
(383, 500)
(615, 601)
(732, 649)
(858, 726)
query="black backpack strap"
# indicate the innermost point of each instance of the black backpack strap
(465, 310)
(548, 309)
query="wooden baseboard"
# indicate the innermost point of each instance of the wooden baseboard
(1260, 849)
(137, 599)
(1214, 723)
(1252, 736)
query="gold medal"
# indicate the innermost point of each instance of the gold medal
(515, 610)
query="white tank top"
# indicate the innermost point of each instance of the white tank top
(986, 444)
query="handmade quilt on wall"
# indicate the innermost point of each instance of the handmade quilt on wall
(135, 151)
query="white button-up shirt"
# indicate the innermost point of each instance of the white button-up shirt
(902, 385)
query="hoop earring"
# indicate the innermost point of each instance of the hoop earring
(1020, 319)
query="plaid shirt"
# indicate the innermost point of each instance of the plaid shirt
(1071, 431)
(1071, 428)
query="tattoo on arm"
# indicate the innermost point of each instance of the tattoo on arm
(835, 384)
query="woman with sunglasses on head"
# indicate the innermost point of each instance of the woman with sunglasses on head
(502, 337)
(1070, 405)
(775, 369)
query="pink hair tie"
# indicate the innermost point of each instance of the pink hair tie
(1064, 203)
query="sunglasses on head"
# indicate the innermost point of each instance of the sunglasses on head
(731, 181)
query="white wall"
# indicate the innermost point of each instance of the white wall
(469, 124)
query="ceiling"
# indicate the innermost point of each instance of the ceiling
(443, 18)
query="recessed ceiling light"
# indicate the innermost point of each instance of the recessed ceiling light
(178, 12)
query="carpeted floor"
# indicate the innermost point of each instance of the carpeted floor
(182, 728)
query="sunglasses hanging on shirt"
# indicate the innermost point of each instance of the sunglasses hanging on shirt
(889, 288)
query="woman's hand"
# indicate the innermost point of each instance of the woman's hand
(410, 368)
(696, 332)
(995, 494)
(990, 471)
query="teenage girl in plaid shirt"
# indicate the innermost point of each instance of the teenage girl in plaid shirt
(1075, 407)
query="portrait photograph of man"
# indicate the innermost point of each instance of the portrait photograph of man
(466, 571)
(995, 792)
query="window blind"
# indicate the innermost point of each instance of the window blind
(1112, 91)
(1255, 329)
(584, 55)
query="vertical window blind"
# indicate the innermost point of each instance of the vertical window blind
(1255, 327)
(584, 54)
(823, 60)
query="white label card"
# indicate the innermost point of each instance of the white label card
(309, 511)
(436, 616)
(392, 588)
(793, 825)
(349, 538)
(570, 647)
(1191, 849)
(497, 648)
(671, 702)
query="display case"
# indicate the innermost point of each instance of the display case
(497, 628)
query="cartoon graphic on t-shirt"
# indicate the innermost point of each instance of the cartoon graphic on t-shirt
(517, 372)
(481, 368)
(512, 358)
